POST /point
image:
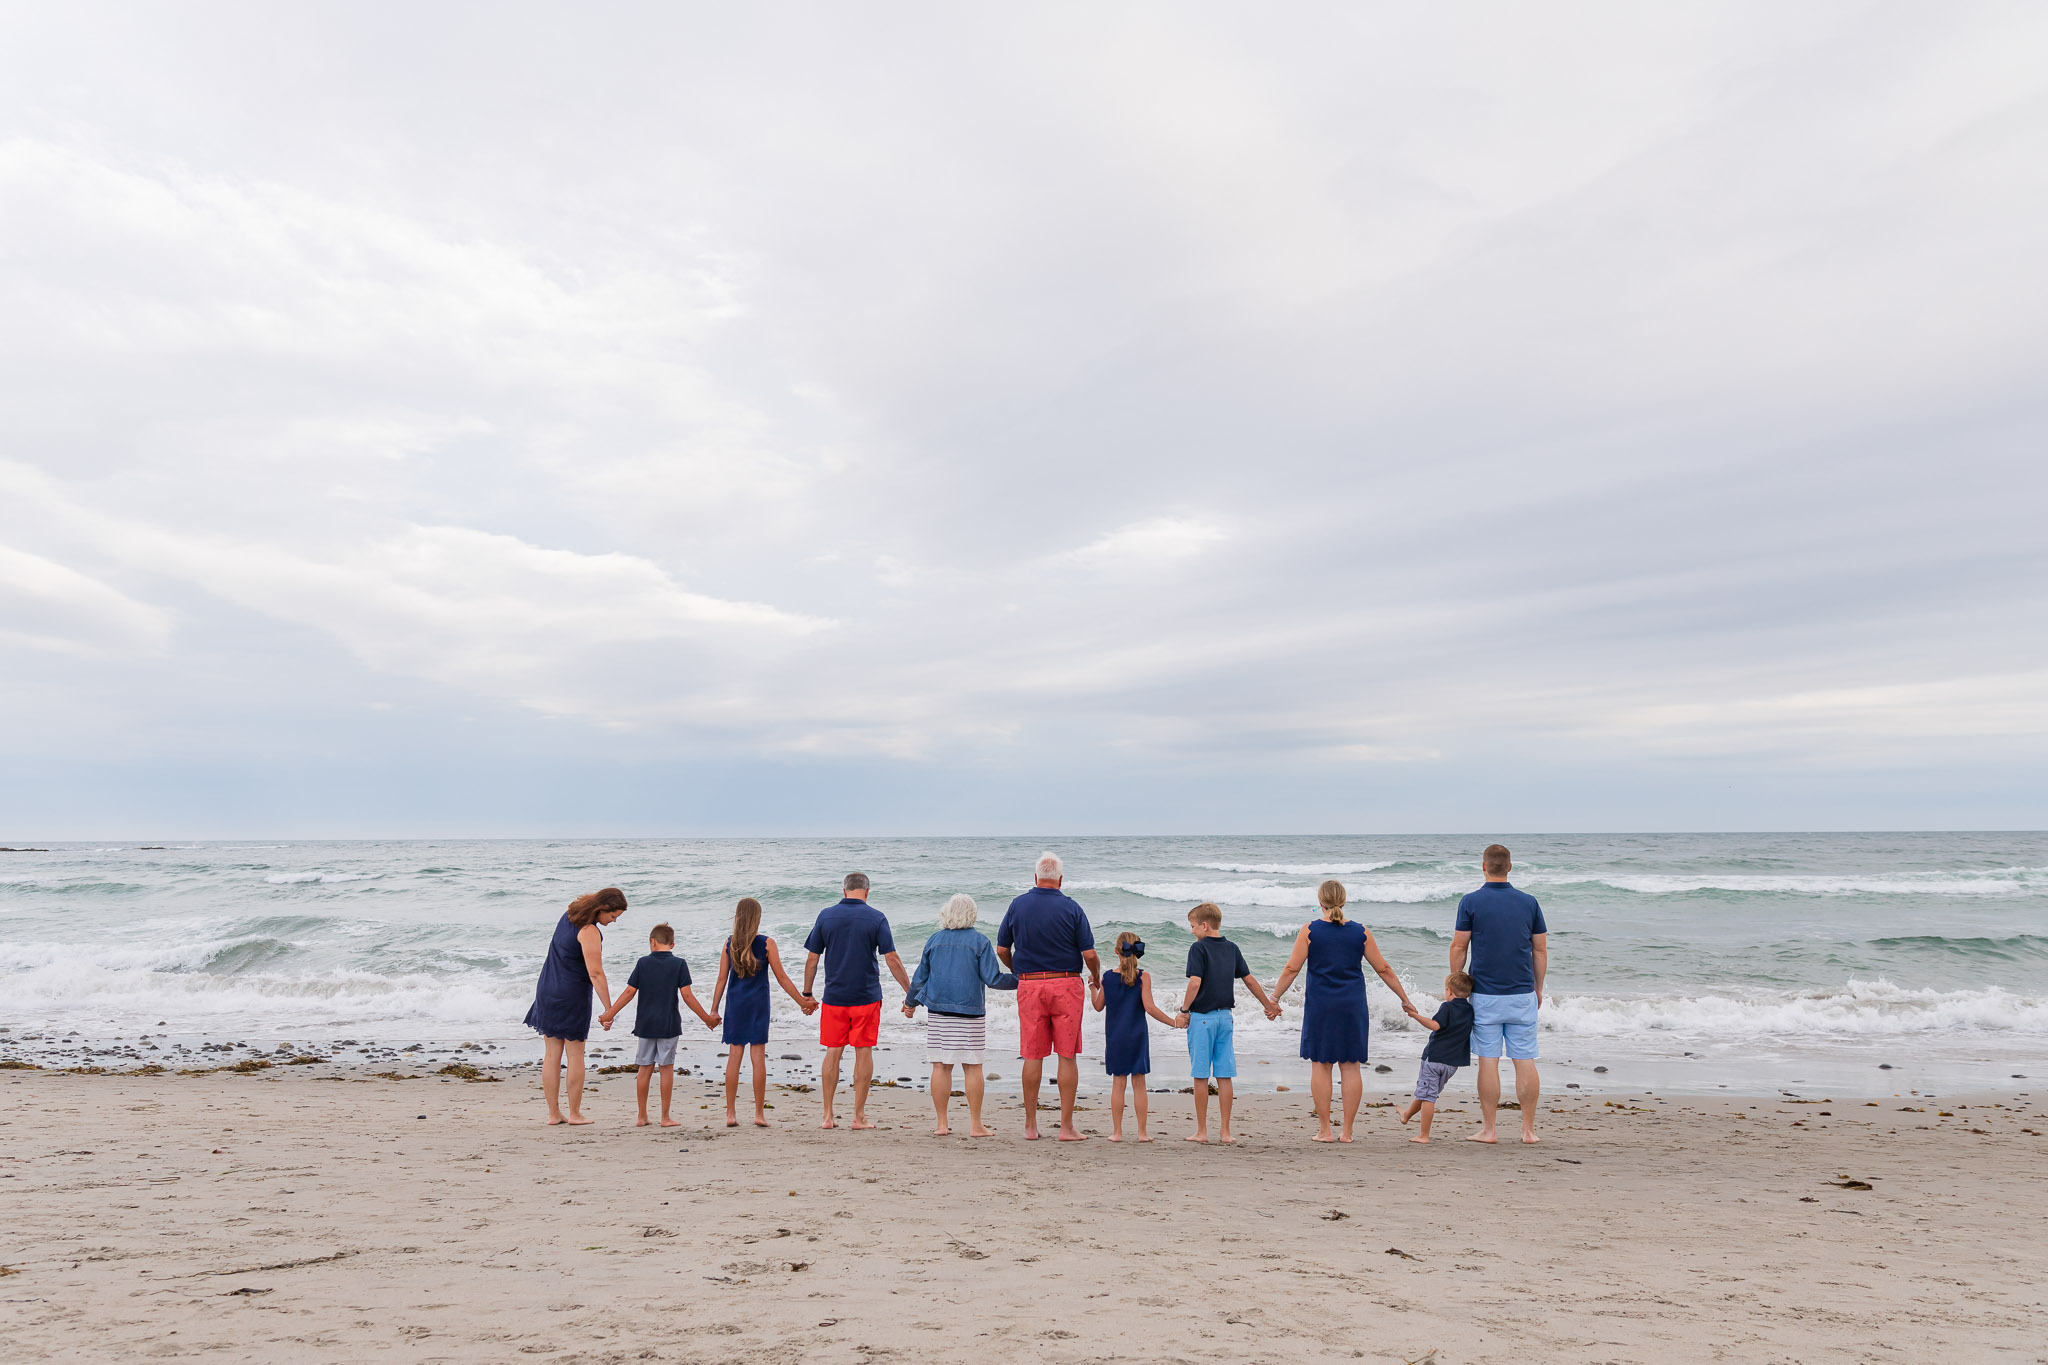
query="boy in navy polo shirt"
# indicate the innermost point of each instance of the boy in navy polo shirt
(662, 977)
(1449, 1047)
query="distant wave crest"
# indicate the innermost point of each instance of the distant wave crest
(1861, 1009)
(1301, 869)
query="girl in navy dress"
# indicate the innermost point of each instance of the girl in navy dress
(744, 963)
(1334, 1018)
(1124, 999)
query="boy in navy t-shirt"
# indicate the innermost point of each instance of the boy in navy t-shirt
(660, 979)
(1213, 963)
(1449, 1047)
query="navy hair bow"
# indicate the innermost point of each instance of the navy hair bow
(1134, 950)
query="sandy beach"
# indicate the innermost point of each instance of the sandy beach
(285, 1215)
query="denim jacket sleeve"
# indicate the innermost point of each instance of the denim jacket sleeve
(920, 976)
(992, 973)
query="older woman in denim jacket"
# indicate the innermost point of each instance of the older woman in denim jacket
(953, 973)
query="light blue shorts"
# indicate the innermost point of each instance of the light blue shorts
(1504, 1017)
(1209, 1045)
(656, 1051)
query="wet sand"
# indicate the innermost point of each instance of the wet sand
(288, 1215)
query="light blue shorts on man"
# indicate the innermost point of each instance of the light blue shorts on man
(1504, 1018)
(1210, 1053)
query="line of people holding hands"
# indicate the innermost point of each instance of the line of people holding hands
(1042, 950)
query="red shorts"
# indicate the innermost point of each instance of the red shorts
(1049, 1017)
(850, 1025)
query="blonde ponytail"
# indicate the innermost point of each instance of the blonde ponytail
(1330, 895)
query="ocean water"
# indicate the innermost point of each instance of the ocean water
(1757, 963)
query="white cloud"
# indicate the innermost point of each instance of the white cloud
(1143, 544)
(46, 605)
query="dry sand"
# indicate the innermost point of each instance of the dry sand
(282, 1216)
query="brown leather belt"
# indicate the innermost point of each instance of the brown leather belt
(1044, 976)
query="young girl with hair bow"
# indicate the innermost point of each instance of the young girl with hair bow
(1124, 999)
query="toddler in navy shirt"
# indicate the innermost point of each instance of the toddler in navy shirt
(1449, 1047)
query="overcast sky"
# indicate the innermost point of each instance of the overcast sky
(993, 418)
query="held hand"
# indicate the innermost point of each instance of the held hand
(715, 1020)
(910, 1011)
(606, 1020)
(1273, 1010)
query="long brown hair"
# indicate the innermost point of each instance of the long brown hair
(1126, 965)
(584, 910)
(746, 922)
(1330, 895)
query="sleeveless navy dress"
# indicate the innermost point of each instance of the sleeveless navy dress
(746, 999)
(1127, 1042)
(561, 1002)
(1333, 1015)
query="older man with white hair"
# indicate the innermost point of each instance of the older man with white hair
(1045, 939)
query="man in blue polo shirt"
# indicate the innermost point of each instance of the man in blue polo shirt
(1503, 931)
(1046, 940)
(847, 939)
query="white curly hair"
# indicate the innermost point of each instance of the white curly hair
(960, 913)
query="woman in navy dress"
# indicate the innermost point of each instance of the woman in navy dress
(1334, 1018)
(573, 967)
(1125, 998)
(743, 988)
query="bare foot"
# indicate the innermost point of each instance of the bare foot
(979, 1131)
(1031, 1132)
(760, 1121)
(640, 1122)
(859, 1123)
(1069, 1135)
(556, 1121)
(1531, 1139)
(829, 1122)
(670, 1123)
(1324, 1136)
(732, 1122)
(1404, 1116)
(578, 1121)
(1198, 1137)
(942, 1132)
(1228, 1141)
(1344, 1136)
(1116, 1137)
(1144, 1137)
(1481, 1137)
(1419, 1138)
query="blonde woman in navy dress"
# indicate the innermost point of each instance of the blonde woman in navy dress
(1334, 1016)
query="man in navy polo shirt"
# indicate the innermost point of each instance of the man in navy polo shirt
(1046, 940)
(847, 938)
(1503, 931)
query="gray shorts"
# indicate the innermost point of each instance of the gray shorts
(657, 1051)
(1431, 1080)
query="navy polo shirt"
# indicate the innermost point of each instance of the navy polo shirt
(851, 935)
(659, 977)
(1501, 921)
(1046, 931)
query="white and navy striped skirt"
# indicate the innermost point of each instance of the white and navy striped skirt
(954, 1039)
